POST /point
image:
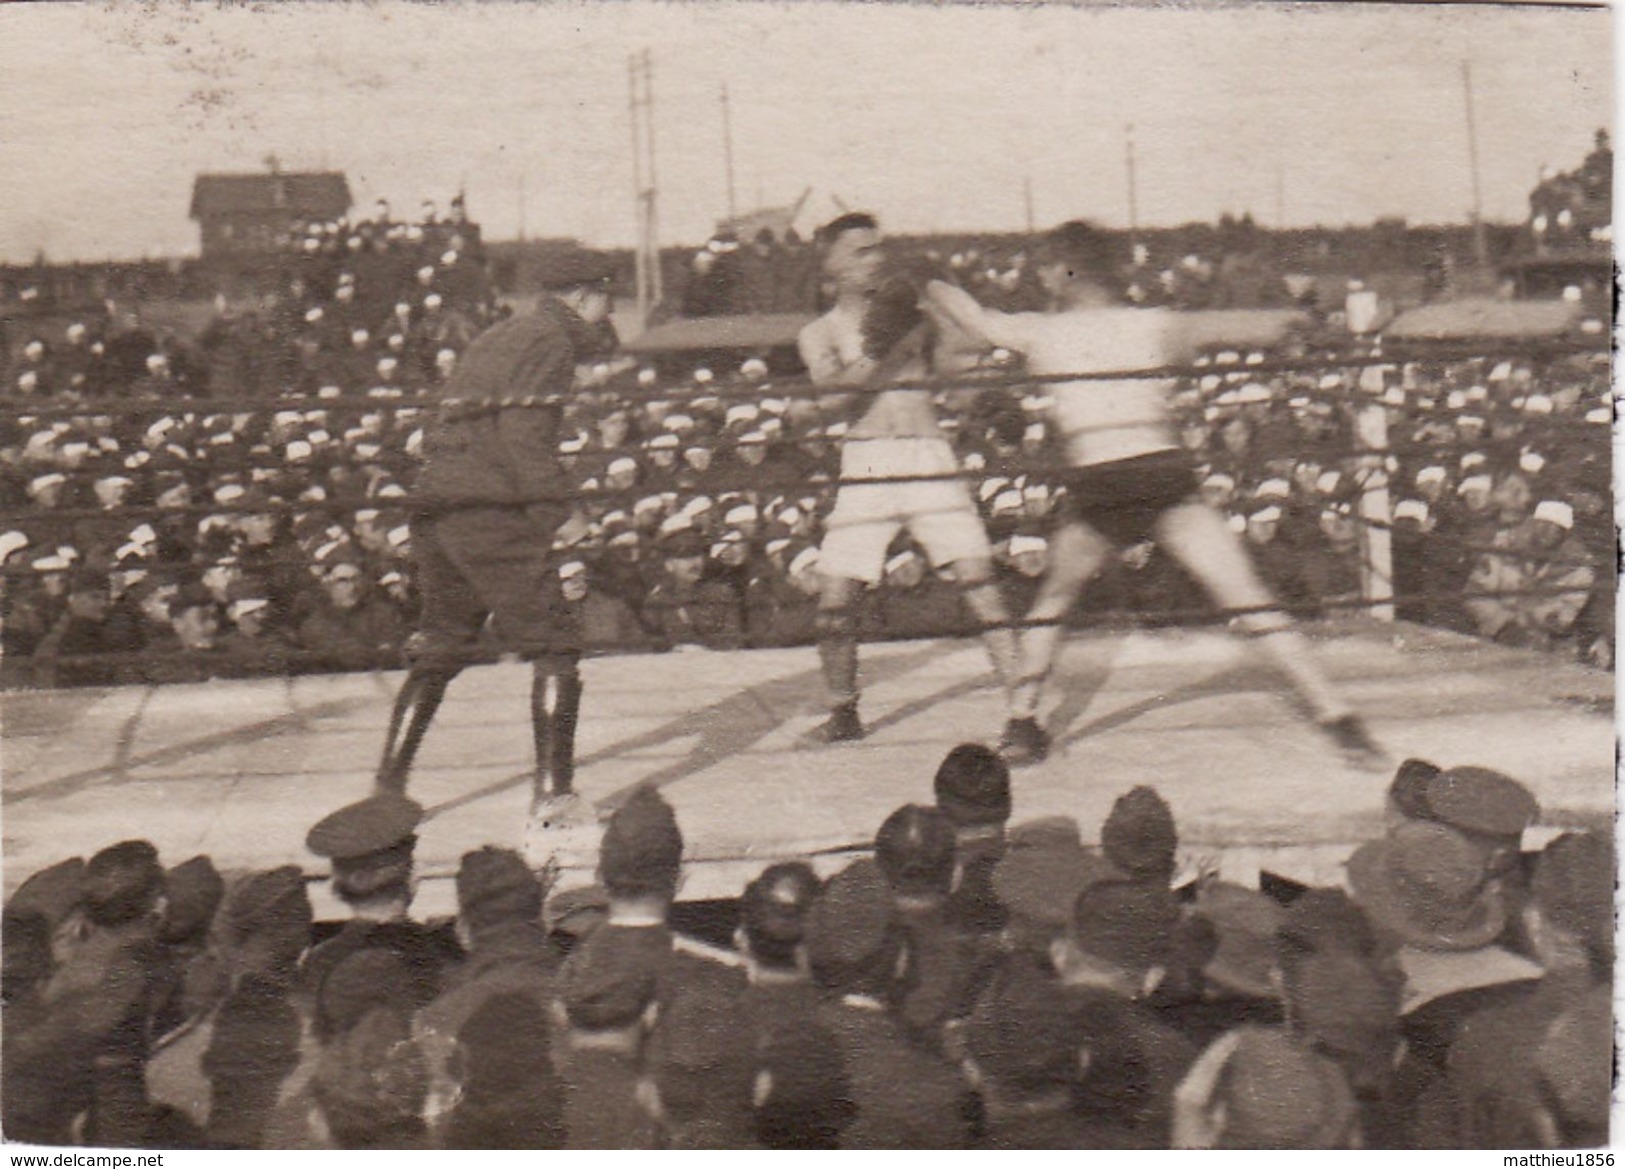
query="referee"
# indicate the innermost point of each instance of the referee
(487, 503)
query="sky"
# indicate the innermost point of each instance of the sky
(933, 117)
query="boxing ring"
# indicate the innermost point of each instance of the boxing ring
(240, 769)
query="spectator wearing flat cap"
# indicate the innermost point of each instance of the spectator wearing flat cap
(972, 787)
(1260, 1088)
(370, 845)
(489, 495)
(907, 1095)
(190, 651)
(1493, 1095)
(509, 952)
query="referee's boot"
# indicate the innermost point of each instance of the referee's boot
(559, 821)
(420, 697)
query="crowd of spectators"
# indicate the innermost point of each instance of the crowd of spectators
(972, 983)
(207, 537)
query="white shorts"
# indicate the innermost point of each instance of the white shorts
(938, 513)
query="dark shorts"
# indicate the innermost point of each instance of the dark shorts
(1123, 500)
(477, 563)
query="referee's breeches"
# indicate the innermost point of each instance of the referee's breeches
(494, 562)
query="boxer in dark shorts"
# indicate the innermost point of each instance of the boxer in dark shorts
(1128, 479)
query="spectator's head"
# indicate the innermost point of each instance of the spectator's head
(1263, 524)
(1552, 522)
(371, 1084)
(124, 883)
(508, 1087)
(344, 585)
(495, 888)
(972, 788)
(112, 490)
(88, 595)
(905, 569)
(370, 844)
(915, 849)
(1244, 923)
(1029, 554)
(1023, 1044)
(642, 851)
(1120, 937)
(773, 916)
(194, 617)
(802, 569)
(607, 989)
(853, 943)
(622, 472)
(582, 281)
(851, 250)
(573, 581)
(1513, 497)
(1574, 1066)
(1139, 837)
(266, 922)
(1076, 256)
(193, 892)
(1347, 1009)
(1570, 917)
(1219, 489)
(1273, 1093)
(1488, 808)
(1429, 886)
(684, 556)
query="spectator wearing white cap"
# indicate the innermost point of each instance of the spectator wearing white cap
(1530, 590)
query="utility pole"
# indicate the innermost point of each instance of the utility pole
(1480, 244)
(728, 152)
(1133, 194)
(1027, 201)
(640, 80)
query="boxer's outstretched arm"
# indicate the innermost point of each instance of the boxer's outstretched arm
(986, 325)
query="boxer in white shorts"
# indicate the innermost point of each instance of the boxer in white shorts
(872, 336)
